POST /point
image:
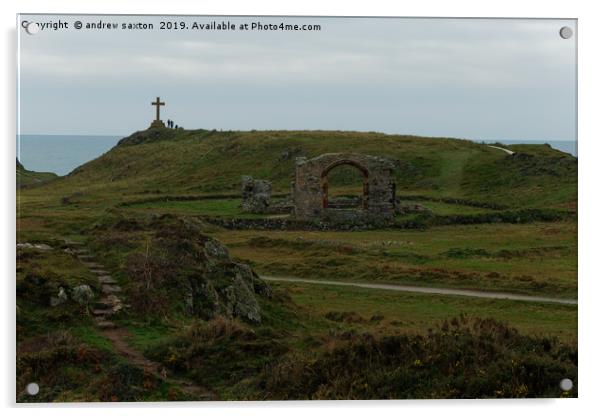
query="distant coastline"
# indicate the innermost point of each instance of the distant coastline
(63, 153)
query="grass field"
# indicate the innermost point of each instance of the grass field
(213, 207)
(390, 313)
(527, 258)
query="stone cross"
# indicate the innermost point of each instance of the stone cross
(158, 103)
(157, 122)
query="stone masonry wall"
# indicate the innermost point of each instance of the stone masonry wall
(311, 184)
(256, 195)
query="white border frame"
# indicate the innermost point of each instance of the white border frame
(589, 142)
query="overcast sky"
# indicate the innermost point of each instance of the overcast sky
(477, 79)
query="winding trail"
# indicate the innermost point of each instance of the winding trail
(427, 290)
(108, 305)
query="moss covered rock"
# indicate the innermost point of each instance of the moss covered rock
(180, 267)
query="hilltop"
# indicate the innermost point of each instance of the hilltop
(186, 162)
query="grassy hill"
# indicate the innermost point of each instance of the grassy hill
(204, 162)
(29, 178)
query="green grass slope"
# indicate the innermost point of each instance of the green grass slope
(203, 162)
(30, 178)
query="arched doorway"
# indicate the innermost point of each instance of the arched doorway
(312, 193)
(347, 169)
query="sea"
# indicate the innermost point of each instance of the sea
(63, 153)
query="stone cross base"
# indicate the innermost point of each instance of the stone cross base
(156, 124)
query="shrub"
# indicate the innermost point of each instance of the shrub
(149, 273)
(125, 382)
(46, 359)
(220, 351)
(477, 358)
(349, 317)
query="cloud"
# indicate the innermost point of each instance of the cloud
(352, 66)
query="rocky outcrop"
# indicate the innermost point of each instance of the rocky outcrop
(197, 271)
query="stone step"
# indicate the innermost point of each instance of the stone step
(110, 289)
(103, 324)
(99, 271)
(109, 302)
(106, 279)
(101, 312)
(110, 309)
(92, 265)
(85, 256)
(113, 299)
(102, 304)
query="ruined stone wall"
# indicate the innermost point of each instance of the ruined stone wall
(256, 194)
(310, 186)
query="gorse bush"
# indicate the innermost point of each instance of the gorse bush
(477, 358)
(149, 273)
(221, 351)
(126, 382)
(56, 362)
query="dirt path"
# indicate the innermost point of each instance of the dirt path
(119, 336)
(510, 152)
(108, 305)
(427, 290)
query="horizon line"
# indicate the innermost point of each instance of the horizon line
(358, 131)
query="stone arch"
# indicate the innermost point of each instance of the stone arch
(310, 186)
(365, 175)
